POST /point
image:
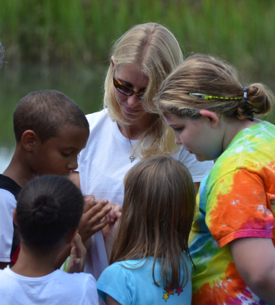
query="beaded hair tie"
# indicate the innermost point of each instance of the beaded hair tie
(210, 97)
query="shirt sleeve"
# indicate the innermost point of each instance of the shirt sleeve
(197, 169)
(116, 282)
(7, 205)
(237, 208)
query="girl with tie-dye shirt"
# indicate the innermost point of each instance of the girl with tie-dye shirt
(232, 242)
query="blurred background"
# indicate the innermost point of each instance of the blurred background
(65, 45)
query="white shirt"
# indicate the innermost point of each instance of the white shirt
(8, 190)
(56, 288)
(102, 167)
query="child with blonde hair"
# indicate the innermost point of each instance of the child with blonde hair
(149, 259)
(232, 242)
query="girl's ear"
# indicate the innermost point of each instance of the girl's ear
(15, 217)
(112, 62)
(28, 140)
(212, 117)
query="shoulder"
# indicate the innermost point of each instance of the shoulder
(9, 185)
(7, 198)
(252, 149)
(116, 281)
(116, 269)
(98, 117)
(9, 190)
(77, 278)
(5, 273)
(125, 272)
(78, 284)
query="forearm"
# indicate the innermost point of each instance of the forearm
(255, 261)
(264, 287)
(109, 233)
(62, 256)
(108, 246)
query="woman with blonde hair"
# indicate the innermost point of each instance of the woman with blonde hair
(129, 127)
(232, 242)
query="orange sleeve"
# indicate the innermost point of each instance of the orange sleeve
(237, 207)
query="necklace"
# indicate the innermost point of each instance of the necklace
(132, 157)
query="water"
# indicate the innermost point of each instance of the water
(82, 84)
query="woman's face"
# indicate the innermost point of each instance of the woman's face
(131, 106)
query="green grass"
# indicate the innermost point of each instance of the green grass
(73, 30)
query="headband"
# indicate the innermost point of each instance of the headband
(210, 97)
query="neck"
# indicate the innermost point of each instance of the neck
(18, 169)
(135, 131)
(232, 128)
(33, 263)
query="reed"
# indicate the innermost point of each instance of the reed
(82, 32)
(75, 30)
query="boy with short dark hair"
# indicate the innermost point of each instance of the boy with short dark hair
(50, 131)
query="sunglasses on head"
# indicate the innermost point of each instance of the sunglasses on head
(126, 90)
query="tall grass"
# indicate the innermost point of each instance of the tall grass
(75, 30)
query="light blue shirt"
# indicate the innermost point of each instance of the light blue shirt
(128, 285)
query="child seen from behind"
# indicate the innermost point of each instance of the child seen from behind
(149, 258)
(47, 214)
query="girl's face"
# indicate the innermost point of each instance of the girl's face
(198, 136)
(131, 106)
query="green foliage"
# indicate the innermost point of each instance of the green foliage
(83, 31)
(75, 30)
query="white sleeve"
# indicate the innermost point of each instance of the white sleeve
(197, 169)
(7, 205)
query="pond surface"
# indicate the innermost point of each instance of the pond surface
(83, 84)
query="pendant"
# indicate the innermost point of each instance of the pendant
(132, 158)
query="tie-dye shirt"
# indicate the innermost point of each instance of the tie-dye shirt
(236, 200)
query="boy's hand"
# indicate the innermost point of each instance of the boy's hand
(93, 219)
(77, 256)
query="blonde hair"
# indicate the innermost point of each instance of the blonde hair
(207, 75)
(157, 51)
(158, 211)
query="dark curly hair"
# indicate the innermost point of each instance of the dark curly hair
(48, 207)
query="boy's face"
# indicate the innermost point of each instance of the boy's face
(58, 155)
